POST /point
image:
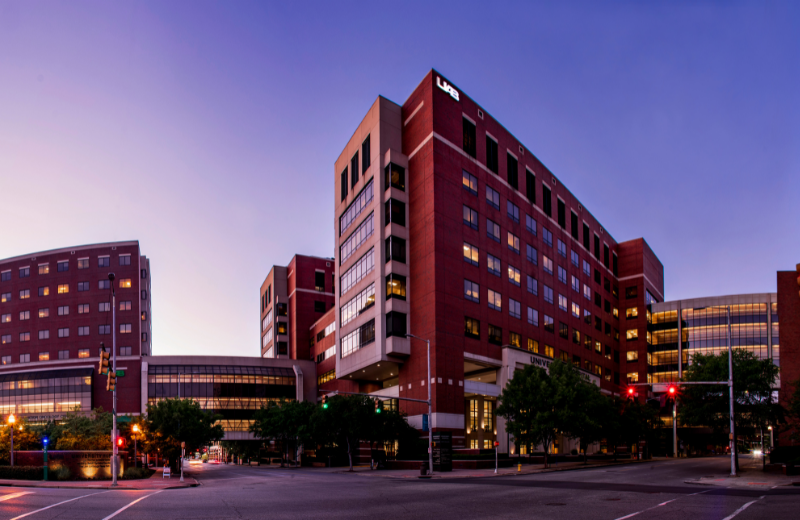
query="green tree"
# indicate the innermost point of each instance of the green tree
(388, 426)
(638, 422)
(172, 421)
(285, 421)
(708, 405)
(243, 449)
(346, 421)
(25, 438)
(76, 431)
(537, 404)
(587, 426)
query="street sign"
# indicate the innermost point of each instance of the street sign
(424, 422)
(120, 373)
(124, 418)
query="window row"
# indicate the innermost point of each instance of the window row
(62, 354)
(63, 266)
(124, 328)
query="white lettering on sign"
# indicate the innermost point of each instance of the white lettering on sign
(447, 88)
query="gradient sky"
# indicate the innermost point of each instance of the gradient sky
(208, 130)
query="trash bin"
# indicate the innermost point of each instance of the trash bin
(423, 469)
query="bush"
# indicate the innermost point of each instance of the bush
(137, 473)
(783, 454)
(60, 473)
(574, 451)
(22, 473)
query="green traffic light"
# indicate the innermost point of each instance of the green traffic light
(325, 406)
(377, 410)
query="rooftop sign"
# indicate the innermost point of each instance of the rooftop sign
(442, 84)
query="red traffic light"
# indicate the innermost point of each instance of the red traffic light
(496, 444)
(672, 391)
(120, 442)
(630, 391)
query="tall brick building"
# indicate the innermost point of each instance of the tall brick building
(449, 228)
(55, 311)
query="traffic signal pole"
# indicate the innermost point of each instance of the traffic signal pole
(730, 391)
(114, 393)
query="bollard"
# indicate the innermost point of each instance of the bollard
(519, 467)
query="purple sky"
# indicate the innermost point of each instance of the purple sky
(208, 130)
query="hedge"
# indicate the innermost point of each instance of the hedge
(22, 472)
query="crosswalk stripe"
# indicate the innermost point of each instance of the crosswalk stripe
(115, 513)
(14, 495)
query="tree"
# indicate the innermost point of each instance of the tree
(708, 405)
(244, 449)
(25, 438)
(638, 422)
(284, 421)
(388, 426)
(537, 404)
(76, 431)
(593, 409)
(172, 421)
(345, 421)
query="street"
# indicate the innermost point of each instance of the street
(648, 490)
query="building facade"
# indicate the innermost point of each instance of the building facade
(293, 298)
(448, 228)
(55, 314)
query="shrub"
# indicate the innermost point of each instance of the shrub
(60, 473)
(137, 473)
(783, 454)
(21, 472)
(574, 451)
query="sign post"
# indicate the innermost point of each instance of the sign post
(45, 458)
(496, 444)
(183, 454)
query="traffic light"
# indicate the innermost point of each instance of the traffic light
(378, 405)
(111, 383)
(631, 392)
(104, 358)
(120, 442)
(672, 391)
(325, 402)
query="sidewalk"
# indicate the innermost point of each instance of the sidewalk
(747, 480)
(154, 482)
(527, 469)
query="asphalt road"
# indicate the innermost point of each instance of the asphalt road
(642, 491)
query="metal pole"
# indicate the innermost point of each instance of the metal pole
(495, 459)
(730, 391)
(675, 427)
(430, 414)
(12, 445)
(114, 368)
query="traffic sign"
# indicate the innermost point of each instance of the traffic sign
(120, 373)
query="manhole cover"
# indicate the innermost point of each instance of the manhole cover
(555, 504)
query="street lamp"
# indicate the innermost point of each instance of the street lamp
(11, 421)
(135, 436)
(430, 415)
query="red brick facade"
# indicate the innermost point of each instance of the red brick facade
(789, 315)
(86, 265)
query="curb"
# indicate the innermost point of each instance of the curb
(29, 484)
(514, 474)
(708, 484)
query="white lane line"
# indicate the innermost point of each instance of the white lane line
(54, 505)
(648, 509)
(742, 509)
(14, 495)
(699, 493)
(118, 511)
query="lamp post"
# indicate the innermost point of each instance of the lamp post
(430, 415)
(114, 450)
(135, 436)
(11, 421)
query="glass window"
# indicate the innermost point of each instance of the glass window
(632, 313)
(358, 304)
(562, 302)
(62, 266)
(576, 310)
(395, 177)
(530, 186)
(563, 330)
(63, 310)
(357, 207)
(470, 254)
(44, 268)
(491, 154)
(357, 239)
(492, 230)
(576, 284)
(631, 292)
(493, 264)
(124, 259)
(576, 261)
(470, 217)
(396, 324)
(513, 275)
(26, 293)
(83, 263)
(395, 249)
(395, 286)
(358, 271)
(632, 356)
(44, 313)
(513, 242)
(469, 137)
(63, 333)
(5, 297)
(495, 335)
(562, 248)
(586, 269)
(472, 328)
(548, 294)
(562, 275)
(530, 225)
(548, 324)
(514, 308)
(472, 291)
(83, 353)
(492, 197)
(395, 212)
(469, 182)
(512, 170)
(532, 254)
(632, 334)
(587, 292)
(513, 211)
(495, 300)
(547, 236)
(533, 286)
(533, 317)
(547, 264)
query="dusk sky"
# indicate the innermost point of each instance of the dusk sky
(208, 131)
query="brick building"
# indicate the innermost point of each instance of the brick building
(293, 298)
(55, 313)
(449, 228)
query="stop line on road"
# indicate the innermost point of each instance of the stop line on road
(118, 510)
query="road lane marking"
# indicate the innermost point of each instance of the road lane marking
(118, 511)
(649, 508)
(14, 495)
(54, 505)
(742, 509)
